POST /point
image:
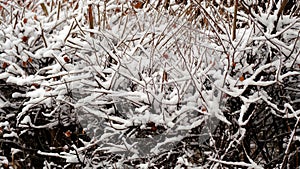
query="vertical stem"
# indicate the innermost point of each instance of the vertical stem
(90, 12)
(43, 36)
(16, 19)
(279, 13)
(52, 6)
(58, 10)
(44, 9)
(234, 19)
(104, 14)
(99, 16)
(11, 14)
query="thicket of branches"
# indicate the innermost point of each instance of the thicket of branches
(149, 84)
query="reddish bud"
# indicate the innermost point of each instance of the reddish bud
(4, 65)
(117, 10)
(25, 20)
(153, 128)
(137, 4)
(242, 78)
(233, 64)
(66, 59)
(35, 85)
(24, 64)
(166, 56)
(68, 133)
(24, 38)
(30, 60)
